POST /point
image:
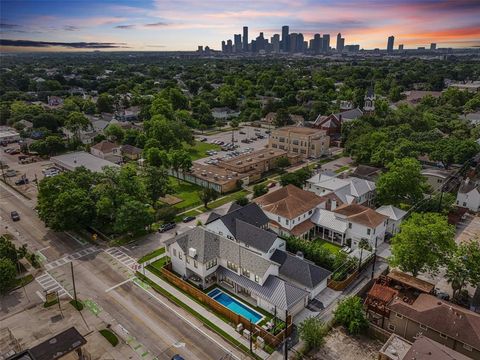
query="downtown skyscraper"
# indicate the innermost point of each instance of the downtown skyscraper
(245, 38)
(390, 43)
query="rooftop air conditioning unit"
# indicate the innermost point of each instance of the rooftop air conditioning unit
(192, 252)
(261, 155)
(271, 152)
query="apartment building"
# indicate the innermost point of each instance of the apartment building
(306, 142)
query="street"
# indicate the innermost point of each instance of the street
(106, 282)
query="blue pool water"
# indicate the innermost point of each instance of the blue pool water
(235, 305)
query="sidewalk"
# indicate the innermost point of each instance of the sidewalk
(202, 311)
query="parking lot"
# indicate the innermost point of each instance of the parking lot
(246, 133)
(14, 171)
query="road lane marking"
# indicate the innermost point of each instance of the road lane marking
(40, 296)
(119, 284)
(189, 322)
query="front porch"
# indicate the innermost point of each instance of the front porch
(333, 236)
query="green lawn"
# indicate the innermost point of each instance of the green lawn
(160, 263)
(187, 192)
(110, 336)
(334, 249)
(151, 255)
(341, 169)
(226, 199)
(199, 150)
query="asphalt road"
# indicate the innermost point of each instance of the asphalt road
(152, 320)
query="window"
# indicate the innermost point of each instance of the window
(195, 264)
(295, 142)
(286, 221)
(211, 263)
(295, 150)
(464, 204)
(246, 272)
(279, 220)
(310, 212)
(232, 266)
(443, 336)
(467, 347)
(174, 252)
(399, 316)
(423, 327)
(180, 255)
(257, 279)
(349, 225)
(368, 231)
(391, 327)
(187, 259)
(303, 151)
(281, 139)
(274, 146)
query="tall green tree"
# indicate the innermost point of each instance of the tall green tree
(114, 132)
(350, 313)
(463, 266)
(157, 183)
(207, 195)
(8, 275)
(75, 122)
(423, 243)
(312, 331)
(402, 183)
(132, 217)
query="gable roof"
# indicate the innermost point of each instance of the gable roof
(105, 146)
(130, 149)
(468, 186)
(392, 212)
(299, 270)
(250, 213)
(361, 215)
(289, 201)
(331, 121)
(253, 236)
(212, 217)
(349, 114)
(424, 349)
(209, 246)
(458, 323)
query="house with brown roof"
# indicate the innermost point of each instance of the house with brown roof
(404, 307)
(131, 152)
(331, 124)
(107, 150)
(423, 348)
(301, 213)
(289, 210)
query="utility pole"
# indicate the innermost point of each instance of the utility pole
(374, 258)
(360, 262)
(74, 288)
(285, 348)
(251, 335)
(441, 198)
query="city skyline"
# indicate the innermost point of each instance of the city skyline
(157, 25)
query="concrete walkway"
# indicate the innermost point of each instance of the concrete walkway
(202, 311)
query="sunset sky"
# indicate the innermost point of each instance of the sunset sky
(161, 25)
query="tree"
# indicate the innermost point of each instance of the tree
(207, 195)
(403, 182)
(157, 183)
(282, 118)
(463, 266)
(114, 132)
(282, 162)
(169, 134)
(132, 217)
(259, 190)
(242, 201)
(157, 157)
(75, 122)
(297, 178)
(8, 273)
(350, 313)
(166, 213)
(312, 331)
(8, 250)
(423, 243)
(74, 210)
(104, 103)
(180, 159)
(51, 145)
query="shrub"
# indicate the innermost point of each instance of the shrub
(350, 313)
(110, 336)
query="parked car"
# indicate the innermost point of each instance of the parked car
(203, 139)
(14, 215)
(10, 173)
(22, 181)
(52, 173)
(242, 132)
(188, 219)
(272, 184)
(166, 227)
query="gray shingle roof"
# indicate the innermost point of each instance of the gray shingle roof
(209, 246)
(212, 217)
(251, 214)
(299, 270)
(253, 236)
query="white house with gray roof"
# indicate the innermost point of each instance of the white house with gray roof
(468, 196)
(349, 190)
(395, 217)
(251, 262)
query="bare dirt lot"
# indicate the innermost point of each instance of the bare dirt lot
(339, 345)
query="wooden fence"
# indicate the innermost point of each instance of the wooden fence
(270, 339)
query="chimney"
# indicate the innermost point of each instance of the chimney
(334, 205)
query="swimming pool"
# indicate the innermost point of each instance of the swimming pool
(236, 306)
